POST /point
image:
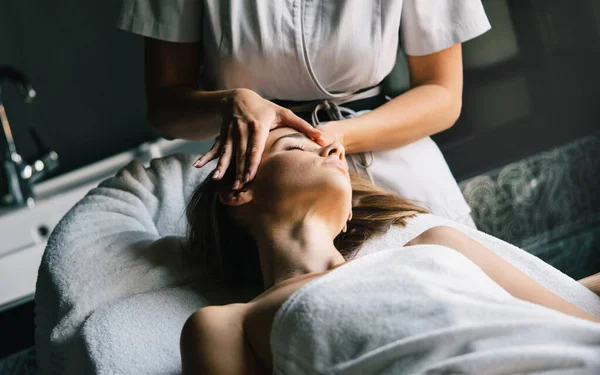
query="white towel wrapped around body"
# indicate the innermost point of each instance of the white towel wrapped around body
(114, 290)
(424, 309)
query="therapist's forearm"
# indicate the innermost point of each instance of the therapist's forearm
(422, 111)
(187, 113)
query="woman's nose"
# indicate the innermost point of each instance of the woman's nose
(334, 148)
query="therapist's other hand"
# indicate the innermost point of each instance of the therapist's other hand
(247, 121)
(332, 131)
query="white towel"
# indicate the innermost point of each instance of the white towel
(424, 309)
(120, 240)
(548, 276)
(119, 248)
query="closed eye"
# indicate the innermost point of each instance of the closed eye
(295, 147)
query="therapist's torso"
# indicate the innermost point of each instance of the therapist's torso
(277, 48)
(304, 49)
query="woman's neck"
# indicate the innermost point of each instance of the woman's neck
(290, 249)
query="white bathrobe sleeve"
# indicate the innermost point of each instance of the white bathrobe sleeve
(169, 20)
(429, 26)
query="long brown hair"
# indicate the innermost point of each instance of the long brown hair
(226, 253)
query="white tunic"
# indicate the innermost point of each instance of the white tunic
(308, 49)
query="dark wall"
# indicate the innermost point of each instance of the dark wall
(88, 76)
(543, 92)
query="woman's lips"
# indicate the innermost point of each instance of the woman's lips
(338, 163)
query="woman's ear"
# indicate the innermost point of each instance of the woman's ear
(235, 197)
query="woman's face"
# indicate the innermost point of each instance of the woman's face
(295, 172)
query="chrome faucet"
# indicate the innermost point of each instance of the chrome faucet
(20, 176)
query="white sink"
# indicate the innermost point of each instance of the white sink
(23, 228)
(24, 231)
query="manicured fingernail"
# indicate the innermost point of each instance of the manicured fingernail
(247, 177)
(197, 163)
(236, 184)
(216, 174)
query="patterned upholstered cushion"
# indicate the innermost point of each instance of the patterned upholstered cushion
(547, 204)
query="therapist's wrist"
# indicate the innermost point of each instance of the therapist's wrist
(334, 131)
(228, 97)
(356, 134)
(232, 97)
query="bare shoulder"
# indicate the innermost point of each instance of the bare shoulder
(212, 341)
(441, 235)
(210, 321)
(202, 324)
(456, 240)
(215, 314)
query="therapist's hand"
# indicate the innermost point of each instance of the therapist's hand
(247, 121)
(333, 131)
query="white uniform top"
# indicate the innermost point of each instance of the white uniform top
(308, 49)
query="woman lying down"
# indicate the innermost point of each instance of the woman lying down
(441, 303)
